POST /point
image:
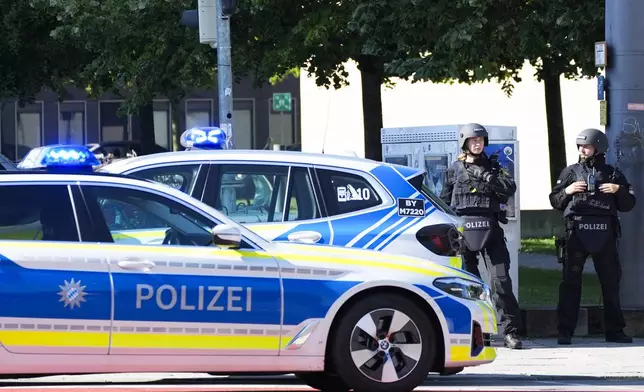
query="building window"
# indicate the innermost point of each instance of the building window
(28, 128)
(162, 124)
(244, 123)
(198, 113)
(281, 125)
(71, 122)
(112, 126)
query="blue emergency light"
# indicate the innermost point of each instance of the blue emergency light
(60, 158)
(204, 138)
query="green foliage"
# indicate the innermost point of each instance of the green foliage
(273, 38)
(468, 41)
(138, 48)
(29, 58)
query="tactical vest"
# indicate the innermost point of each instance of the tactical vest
(592, 203)
(472, 193)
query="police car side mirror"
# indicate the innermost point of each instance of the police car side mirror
(226, 236)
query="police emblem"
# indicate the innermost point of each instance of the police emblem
(72, 293)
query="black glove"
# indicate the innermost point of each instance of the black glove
(479, 172)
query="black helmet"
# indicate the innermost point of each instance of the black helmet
(471, 130)
(593, 137)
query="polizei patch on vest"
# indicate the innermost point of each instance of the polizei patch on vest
(411, 207)
(593, 226)
(473, 225)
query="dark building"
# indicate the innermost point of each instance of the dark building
(80, 120)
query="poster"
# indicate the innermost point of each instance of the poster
(505, 155)
(436, 166)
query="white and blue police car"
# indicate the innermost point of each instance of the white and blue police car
(309, 198)
(209, 295)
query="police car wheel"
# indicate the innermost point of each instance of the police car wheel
(323, 381)
(378, 344)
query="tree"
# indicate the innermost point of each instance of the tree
(472, 41)
(30, 58)
(139, 50)
(275, 38)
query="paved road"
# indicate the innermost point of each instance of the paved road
(590, 364)
(203, 383)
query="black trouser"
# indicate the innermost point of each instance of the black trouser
(499, 270)
(609, 272)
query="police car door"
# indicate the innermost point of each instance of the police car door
(276, 201)
(183, 296)
(55, 292)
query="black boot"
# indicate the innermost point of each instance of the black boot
(618, 337)
(512, 341)
(564, 338)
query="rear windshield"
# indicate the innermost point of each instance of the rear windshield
(418, 182)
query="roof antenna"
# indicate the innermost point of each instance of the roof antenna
(326, 126)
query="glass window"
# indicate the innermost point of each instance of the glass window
(243, 123)
(198, 113)
(38, 213)
(162, 123)
(252, 193)
(28, 128)
(71, 123)
(346, 192)
(302, 204)
(181, 177)
(113, 126)
(419, 183)
(139, 217)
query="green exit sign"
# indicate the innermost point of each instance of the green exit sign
(282, 102)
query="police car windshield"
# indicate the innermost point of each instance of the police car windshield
(418, 182)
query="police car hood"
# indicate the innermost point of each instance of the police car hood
(360, 260)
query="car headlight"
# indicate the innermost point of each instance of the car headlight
(464, 288)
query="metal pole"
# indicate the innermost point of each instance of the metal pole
(224, 74)
(625, 96)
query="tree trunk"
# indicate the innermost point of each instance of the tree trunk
(372, 71)
(146, 117)
(554, 116)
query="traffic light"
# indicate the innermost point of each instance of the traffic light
(205, 18)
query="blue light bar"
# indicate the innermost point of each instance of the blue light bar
(60, 157)
(204, 138)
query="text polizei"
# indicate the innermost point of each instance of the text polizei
(477, 225)
(206, 298)
(593, 226)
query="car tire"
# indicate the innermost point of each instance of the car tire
(367, 350)
(323, 381)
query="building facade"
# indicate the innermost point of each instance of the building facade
(80, 120)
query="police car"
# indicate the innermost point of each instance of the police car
(6, 164)
(310, 198)
(209, 295)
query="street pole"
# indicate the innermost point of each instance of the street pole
(624, 128)
(224, 70)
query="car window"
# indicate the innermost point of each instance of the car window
(138, 217)
(419, 182)
(181, 177)
(38, 213)
(252, 193)
(301, 203)
(346, 192)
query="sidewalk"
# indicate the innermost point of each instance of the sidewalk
(586, 357)
(542, 261)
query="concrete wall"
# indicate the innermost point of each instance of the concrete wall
(333, 118)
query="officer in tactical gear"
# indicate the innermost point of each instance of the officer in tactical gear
(475, 187)
(590, 193)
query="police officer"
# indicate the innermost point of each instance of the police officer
(590, 193)
(475, 187)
